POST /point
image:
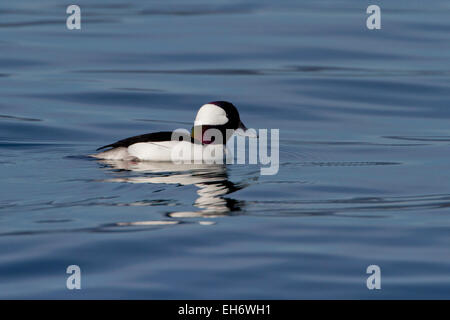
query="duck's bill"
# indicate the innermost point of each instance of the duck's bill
(243, 131)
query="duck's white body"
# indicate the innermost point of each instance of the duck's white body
(173, 151)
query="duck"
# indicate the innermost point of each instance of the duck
(220, 116)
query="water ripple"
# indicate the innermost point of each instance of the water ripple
(377, 205)
(2, 116)
(312, 69)
(421, 138)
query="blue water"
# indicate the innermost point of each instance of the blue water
(364, 150)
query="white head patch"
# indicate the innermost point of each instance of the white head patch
(210, 114)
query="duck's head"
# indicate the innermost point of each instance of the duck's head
(220, 115)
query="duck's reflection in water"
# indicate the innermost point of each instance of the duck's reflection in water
(211, 180)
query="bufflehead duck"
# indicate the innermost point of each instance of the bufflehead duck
(159, 146)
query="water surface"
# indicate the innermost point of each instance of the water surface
(364, 150)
